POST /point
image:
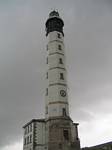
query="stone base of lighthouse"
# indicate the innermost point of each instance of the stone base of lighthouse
(62, 134)
(57, 133)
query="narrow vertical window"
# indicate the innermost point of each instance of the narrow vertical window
(25, 141)
(30, 127)
(60, 61)
(59, 47)
(47, 60)
(47, 47)
(30, 138)
(47, 75)
(64, 111)
(46, 91)
(25, 130)
(61, 76)
(59, 36)
(66, 134)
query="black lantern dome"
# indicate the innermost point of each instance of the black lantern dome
(54, 23)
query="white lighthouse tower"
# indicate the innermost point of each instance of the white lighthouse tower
(56, 92)
(57, 131)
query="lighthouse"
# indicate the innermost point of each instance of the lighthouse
(56, 91)
(56, 131)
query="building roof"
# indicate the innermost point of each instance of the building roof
(34, 120)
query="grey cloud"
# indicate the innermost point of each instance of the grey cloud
(88, 37)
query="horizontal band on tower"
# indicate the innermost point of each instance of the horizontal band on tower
(56, 53)
(58, 84)
(57, 102)
(56, 41)
(56, 68)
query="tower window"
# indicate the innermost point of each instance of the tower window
(47, 47)
(47, 75)
(66, 134)
(60, 61)
(46, 91)
(61, 76)
(59, 47)
(64, 111)
(59, 36)
(47, 60)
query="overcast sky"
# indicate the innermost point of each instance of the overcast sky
(88, 41)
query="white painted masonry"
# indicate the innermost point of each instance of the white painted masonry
(56, 102)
